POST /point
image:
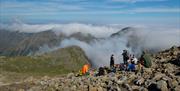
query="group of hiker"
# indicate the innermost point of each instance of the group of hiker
(130, 63)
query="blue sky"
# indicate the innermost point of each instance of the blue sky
(90, 11)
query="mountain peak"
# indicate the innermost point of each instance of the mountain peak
(122, 31)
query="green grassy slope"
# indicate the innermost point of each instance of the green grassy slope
(61, 61)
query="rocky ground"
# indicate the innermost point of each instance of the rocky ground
(164, 75)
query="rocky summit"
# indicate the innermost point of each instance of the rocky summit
(163, 75)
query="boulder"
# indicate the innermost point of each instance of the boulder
(99, 89)
(158, 76)
(177, 88)
(122, 80)
(153, 87)
(30, 79)
(169, 68)
(143, 89)
(148, 82)
(118, 88)
(35, 88)
(91, 88)
(128, 87)
(70, 75)
(162, 85)
(134, 87)
(139, 81)
(131, 78)
(21, 90)
(148, 70)
(178, 80)
(174, 83)
(166, 78)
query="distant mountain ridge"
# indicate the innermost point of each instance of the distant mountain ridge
(13, 43)
(122, 32)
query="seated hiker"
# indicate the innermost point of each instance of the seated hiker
(107, 69)
(139, 68)
(117, 66)
(112, 61)
(113, 69)
(101, 71)
(131, 67)
(85, 69)
(122, 67)
(79, 73)
(92, 72)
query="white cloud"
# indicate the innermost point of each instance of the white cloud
(57, 8)
(99, 51)
(68, 29)
(130, 11)
(156, 10)
(133, 1)
(94, 12)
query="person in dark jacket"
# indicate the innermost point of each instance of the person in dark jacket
(112, 61)
(125, 57)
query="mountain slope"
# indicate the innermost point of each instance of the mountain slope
(9, 40)
(32, 43)
(22, 44)
(61, 61)
(163, 75)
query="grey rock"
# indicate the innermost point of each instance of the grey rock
(158, 76)
(139, 81)
(162, 85)
(177, 88)
(70, 75)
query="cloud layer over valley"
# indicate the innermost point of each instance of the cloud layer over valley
(135, 38)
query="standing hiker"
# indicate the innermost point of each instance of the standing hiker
(125, 57)
(112, 61)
